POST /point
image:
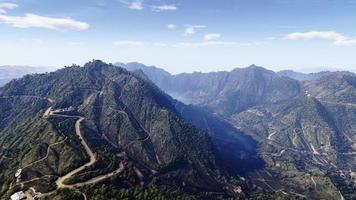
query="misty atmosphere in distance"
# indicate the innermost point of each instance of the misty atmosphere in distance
(177, 99)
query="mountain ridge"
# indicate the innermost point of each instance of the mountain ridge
(248, 133)
(304, 133)
(120, 110)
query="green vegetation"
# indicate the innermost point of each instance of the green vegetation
(132, 125)
(123, 114)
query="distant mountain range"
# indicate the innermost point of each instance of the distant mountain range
(7, 73)
(132, 131)
(308, 76)
(304, 123)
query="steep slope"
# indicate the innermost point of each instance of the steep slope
(108, 120)
(236, 151)
(311, 136)
(305, 130)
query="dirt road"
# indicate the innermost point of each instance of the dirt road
(60, 182)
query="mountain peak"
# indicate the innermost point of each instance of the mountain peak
(121, 113)
(256, 67)
(96, 64)
(253, 66)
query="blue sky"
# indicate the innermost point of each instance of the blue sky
(181, 36)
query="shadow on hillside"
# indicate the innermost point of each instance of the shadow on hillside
(235, 151)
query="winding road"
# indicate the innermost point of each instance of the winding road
(49, 112)
(44, 158)
(60, 182)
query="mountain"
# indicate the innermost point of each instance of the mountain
(224, 92)
(339, 87)
(155, 74)
(307, 141)
(303, 76)
(102, 132)
(7, 73)
(235, 150)
(307, 76)
(303, 124)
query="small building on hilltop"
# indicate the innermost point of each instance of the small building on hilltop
(18, 173)
(18, 196)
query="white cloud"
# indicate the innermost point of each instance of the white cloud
(189, 31)
(127, 42)
(171, 26)
(7, 6)
(136, 5)
(348, 42)
(192, 29)
(337, 38)
(164, 8)
(331, 35)
(211, 36)
(203, 44)
(101, 4)
(37, 21)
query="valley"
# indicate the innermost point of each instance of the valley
(178, 100)
(122, 131)
(292, 133)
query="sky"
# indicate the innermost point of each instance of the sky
(181, 35)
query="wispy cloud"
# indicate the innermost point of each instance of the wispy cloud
(7, 6)
(37, 21)
(192, 29)
(212, 36)
(127, 42)
(337, 38)
(203, 44)
(101, 4)
(140, 5)
(171, 26)
(136, 5)
(164, 8)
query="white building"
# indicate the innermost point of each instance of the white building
(18, 196)
(18, 173)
